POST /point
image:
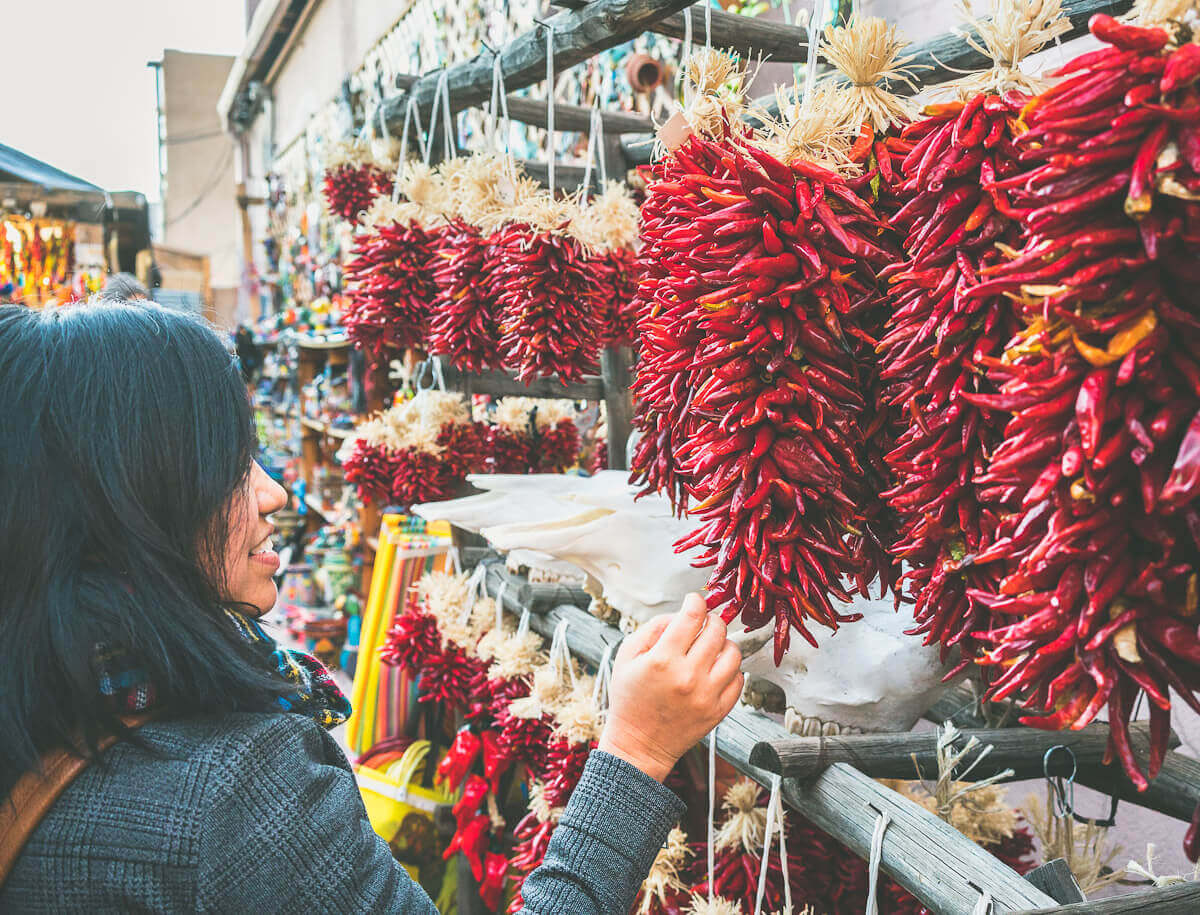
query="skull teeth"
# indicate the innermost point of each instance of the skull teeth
(812, 726)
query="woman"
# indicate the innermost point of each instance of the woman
(135, 553)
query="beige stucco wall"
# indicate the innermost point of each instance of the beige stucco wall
(200, 209)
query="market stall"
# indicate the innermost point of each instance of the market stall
(908, 388)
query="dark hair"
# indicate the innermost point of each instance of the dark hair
(122, 289)
(126, 435)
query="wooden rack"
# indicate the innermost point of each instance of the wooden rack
(937, 864)
(837, 792)
(610, 386)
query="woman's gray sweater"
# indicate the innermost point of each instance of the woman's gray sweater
(259, 813)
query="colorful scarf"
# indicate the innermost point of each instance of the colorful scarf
(314, 692)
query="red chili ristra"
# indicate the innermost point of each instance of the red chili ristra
(464, 325)
(349, 190)
(390, 289)
(1097, 569)
(933, 343)
(749, 394)
(544, 291)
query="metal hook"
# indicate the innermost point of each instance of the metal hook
(1063, 790)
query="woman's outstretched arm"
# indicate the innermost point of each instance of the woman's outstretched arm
(673, 680)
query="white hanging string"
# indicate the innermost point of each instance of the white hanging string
(550, 151)
(560, 652)
(442, 84)
(772, 803)
(603, 678)
(523, 625)
(708, 25)
(984, 905)
(595, 151)
(412, 116)
(498, 109)
(783, 861)
(712, 809)
(475, 582)
(454, 560)
(500, 609)
(881, 825)
(383, 128)
(439, 378)
(814, 40)
(449, 127)
(687, 53)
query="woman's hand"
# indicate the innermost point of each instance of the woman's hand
(672, 682)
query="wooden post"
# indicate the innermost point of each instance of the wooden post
(614, 368)
(1181, 899)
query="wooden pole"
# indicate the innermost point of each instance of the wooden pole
(775, 41)
(578, 34)
(915, 755)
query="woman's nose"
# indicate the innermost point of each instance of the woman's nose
(270, 495)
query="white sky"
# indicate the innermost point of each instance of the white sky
(78, 93)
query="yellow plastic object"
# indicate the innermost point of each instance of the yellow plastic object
(385, 561)
(401, 811)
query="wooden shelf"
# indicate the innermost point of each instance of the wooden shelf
(316, 343)
(324, 428)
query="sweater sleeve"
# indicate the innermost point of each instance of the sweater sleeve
(286, 831)
(605, 842)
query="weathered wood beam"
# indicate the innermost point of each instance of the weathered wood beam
(578, 34)
(926, 856)
(520, 592)
(1180, 899)
(575, 117)
(1175, 791)
(567, 178)
(750, 37)
(1054, 878)
(902, 755)
(566, 117)
(504, 384)
(943, 55)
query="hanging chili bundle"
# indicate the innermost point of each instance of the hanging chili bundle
(868, 51)
(389, 287)
(543, 289)
(530, 435)
(1097, 567)
(353, 179)
(764, 260)
(427, 444)
(936, 336)
(608, 227)
(668, 331)
(464, 325)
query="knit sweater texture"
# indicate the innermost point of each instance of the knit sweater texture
(260, 813)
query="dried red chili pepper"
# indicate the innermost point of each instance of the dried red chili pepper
(389, 286)
(749, 396)
(349, 189)
(544, 289)
(1104, 548)
(464, 324)
(933, 339)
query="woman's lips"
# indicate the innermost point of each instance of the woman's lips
(267, 558)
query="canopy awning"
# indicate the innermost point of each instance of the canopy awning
(17, 166)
